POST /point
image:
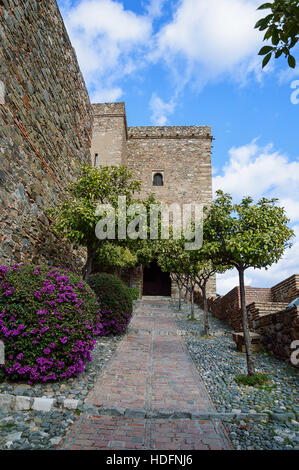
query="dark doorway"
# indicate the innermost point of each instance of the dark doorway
(155, 282)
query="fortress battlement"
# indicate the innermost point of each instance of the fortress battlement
(170, 132)
(109, 109)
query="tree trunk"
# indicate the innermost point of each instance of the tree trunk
(247, 339)
(88, 265)
(205, 311)
(180, 299)
(192, 303)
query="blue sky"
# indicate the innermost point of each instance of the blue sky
(195, 62)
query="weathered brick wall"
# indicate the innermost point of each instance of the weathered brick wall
(278, 331)
(287, 290)
(45, 128)
(109, 136)
(256, 310)
(228, 307)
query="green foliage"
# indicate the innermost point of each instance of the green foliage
(111, 254)
(247, 235)
(76, 217)
(115, 300)
(252, 380)
(134, 293)
(282, 28)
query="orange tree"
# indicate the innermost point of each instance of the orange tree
(247, 235)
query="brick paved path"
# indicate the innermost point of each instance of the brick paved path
(150, 396)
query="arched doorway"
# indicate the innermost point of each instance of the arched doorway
(155, 281)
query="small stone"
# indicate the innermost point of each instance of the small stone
(22, 404)
(55, 441)
(5, 400)
(70, 404)
(16, 436)
(43, 404)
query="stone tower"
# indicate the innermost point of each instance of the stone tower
(173, 163)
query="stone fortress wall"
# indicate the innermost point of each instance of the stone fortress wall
(45, 129)
(109, 139)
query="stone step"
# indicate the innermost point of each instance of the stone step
(173, 414)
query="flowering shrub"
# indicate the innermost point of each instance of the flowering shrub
(46, 323)
(116, 303)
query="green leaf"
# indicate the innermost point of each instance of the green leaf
(278, 53)
(264, 50)
(265, 5)
(291, 61)
(266, 59)
(275, 38)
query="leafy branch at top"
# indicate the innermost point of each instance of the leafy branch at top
(282, 28)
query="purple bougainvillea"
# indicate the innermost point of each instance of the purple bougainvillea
(48, 319)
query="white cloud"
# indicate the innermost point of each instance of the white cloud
(262, 172)
(154, 8)
(106, 95)
(109, 18)
(210, 41)
(160, 110)
(218, 34)
(285, 76)
(108, 41)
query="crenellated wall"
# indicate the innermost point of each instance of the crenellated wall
(45, 129)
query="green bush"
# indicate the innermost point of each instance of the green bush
(46, 323)
(116, 303)
(134, 293)
(252, 380)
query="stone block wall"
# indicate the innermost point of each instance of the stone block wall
(45, 129)
(181, 154)
(278, 330)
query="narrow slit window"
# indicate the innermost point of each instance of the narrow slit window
(96, 159)
(158, 179)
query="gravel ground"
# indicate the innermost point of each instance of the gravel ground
(219, 362)
(36, 430)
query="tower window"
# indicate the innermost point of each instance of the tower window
(158, 179)
(96, 159)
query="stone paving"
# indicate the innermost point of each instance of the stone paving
(150, 396)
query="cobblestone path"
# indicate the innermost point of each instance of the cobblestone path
(150, 396)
